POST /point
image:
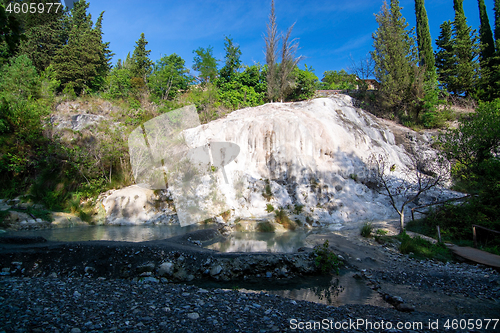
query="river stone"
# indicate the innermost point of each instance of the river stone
(166, 269)
(147, 267)
(215, 270)
(193, 315)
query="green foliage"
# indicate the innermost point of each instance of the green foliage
(118, 83)
(205, 63)
(269, 208)
(140, 62)
(422, 249)
(326, 259)
(268, 193)
(169, 77)
(232, 61)
(297, 209)
(395, 59)
(466, 50)
(305, 84)
(283, 219)
(475, 146)
(340, 80)
(83, 62)
(11, 33)
(444, 56)
(265, 227)
(45, 33)
(366, 229)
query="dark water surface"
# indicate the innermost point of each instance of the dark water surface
(333, 290)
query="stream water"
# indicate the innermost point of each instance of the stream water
(331, 290)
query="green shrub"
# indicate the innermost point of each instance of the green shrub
(268, 193)
(326, 259)
(283, 219)
(269, 208)
(265, 227)
(297, 209)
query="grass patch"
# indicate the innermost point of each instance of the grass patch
(265, 227)
(421, 249)
(366, 230)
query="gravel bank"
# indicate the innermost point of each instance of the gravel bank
(98, 305)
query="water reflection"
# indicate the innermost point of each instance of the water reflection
(330, 290)
(261, 242)
(110, 233)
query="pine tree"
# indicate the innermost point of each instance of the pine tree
(11, 33)
(425, 53)
(395, 57)
(466, 52)
(79, 62)
(445, 59)
(45, 33)
(141, 64)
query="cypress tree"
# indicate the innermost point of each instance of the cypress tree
(426, 55)
(485, 34)
(497, 24)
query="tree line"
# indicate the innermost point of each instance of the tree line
(414, 79)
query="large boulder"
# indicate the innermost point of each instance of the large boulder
(130, 205)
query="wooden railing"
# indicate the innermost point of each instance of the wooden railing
(474, 226)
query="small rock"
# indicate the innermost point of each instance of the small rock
(193, 315)
(147, 267)
(405, 307)
(166, 269)
(75, 330)
(216, 270)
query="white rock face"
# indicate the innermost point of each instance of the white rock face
(130, 205)
(313, 154)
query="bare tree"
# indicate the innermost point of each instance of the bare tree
(363, 69)
(424, 173)
(272, 41)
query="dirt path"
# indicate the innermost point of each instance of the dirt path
(428, 286)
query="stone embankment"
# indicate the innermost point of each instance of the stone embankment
(178, 259)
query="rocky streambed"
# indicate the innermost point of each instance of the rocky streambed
(117, 286)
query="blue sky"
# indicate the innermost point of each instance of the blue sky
(329, 32)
